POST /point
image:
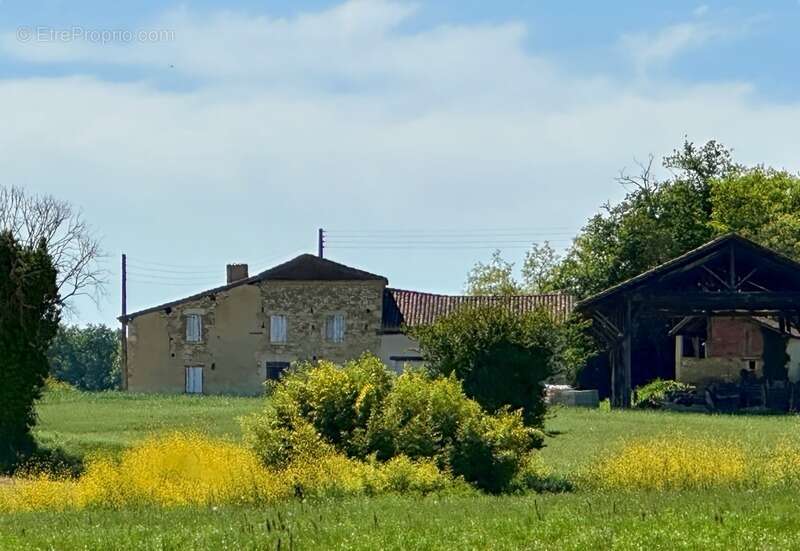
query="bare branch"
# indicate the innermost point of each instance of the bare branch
(644, 182)
(73, 247)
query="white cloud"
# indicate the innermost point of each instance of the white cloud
(648, 48)
(342, 118)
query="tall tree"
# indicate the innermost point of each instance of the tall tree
(537, 268)
(496, 277)
(762, 204)
(29, 313)
(656, 221)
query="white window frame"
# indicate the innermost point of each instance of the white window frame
(278, 329)
(335, 328)
(194, 328)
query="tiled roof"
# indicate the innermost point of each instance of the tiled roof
(412, 308)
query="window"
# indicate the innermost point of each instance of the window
(194, 380)
(277, 329)
(334, 328)
(276, 369)
(694, 346)
(194, 328)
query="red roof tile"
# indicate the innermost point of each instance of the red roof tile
(412, 308)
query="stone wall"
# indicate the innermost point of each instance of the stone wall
(704, 371)
(307, 305)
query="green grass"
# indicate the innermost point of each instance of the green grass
(720, 520)
(723, 519)
(82, 422)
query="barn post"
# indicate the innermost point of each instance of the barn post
(627, 341)
(612, 360)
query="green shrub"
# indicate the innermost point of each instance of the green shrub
(421, 416)
(490, 449)
(280, 442)
(363, 411)
(653, 394)
(402, 475)
(502, 357)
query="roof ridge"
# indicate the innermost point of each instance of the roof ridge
(263, 276)
(427, 293)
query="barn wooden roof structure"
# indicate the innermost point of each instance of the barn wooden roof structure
(730, 275)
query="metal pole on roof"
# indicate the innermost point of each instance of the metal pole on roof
(320, 243)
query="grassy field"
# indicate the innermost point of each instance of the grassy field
(82, 422)
(719, 519)
(580, 435)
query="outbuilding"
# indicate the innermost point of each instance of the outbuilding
(732, 306)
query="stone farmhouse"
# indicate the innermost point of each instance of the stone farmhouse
(233, 338)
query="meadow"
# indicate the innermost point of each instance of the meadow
(84, 422)
(752, 516)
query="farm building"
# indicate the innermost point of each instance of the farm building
(232, 338)
(719, 348)
(732, 307)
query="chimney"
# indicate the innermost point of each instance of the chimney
(236, 272)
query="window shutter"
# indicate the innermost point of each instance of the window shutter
(194, 328)
(277, 328)
(338, 321)
(334, 328)
(329, 330)
(194, 380)
(273, 328)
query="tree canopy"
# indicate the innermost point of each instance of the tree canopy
(705, 195)
(496, 277)
(86, 357)
(29, 312)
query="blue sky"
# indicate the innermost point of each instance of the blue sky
(244, 126)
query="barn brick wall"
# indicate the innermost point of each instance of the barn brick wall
(736, 338)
